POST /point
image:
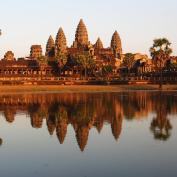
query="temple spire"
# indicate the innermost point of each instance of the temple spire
(81, 36)
(98, 44)
(60, 42)
(50, 47)
(116, 43)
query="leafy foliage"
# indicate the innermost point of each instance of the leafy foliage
(107, 70)
(160, 51)
(85, 61)
(43, 60)
(128, 60)
(61, 59)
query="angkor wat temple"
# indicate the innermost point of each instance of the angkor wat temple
(81, 58)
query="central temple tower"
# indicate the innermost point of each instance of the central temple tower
(81, 36)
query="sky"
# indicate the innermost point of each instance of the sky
(27, 22)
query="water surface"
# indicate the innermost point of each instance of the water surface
(126, 134)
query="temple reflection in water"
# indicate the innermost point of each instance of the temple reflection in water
(87, 111)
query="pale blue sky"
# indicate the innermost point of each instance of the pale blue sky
(27, 22)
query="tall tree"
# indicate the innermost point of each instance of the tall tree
(61, 60)
(107, 70)
(128, 61)
(160, 53)
(85, 61)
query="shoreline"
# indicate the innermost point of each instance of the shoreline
(5, 89)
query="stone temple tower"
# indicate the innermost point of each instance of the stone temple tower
(116, 44)
(81, 36)
(50, 47)
(60, 42)
(98, 44)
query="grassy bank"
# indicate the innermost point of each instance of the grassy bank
(81, 88)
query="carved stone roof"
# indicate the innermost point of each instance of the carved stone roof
(116, 44)
(81, 36)
(18, 64)
(50, 44)
(36, 51)
(98, 44)
(9, 55)
(60, 42)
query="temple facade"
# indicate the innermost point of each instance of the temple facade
(82, 58)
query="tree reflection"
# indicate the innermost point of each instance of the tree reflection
(161, 126)
(1, 141)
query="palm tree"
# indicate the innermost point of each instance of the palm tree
(128, 61)
(160, 53)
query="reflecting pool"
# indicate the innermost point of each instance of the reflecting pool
(126, 134)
